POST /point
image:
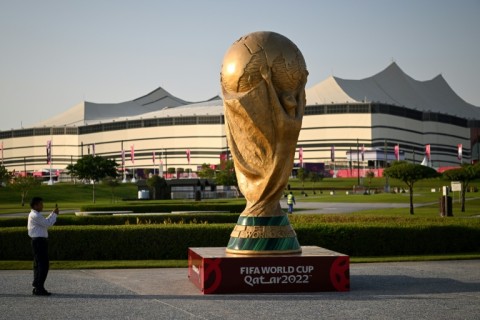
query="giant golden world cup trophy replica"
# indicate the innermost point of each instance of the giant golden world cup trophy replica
(263, 81)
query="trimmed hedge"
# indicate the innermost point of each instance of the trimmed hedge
(101, 220)
(171, 241)
(142, 207)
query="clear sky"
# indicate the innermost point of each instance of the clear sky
(56, 53)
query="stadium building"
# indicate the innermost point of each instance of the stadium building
(384, 115)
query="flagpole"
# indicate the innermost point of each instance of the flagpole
(363, 174)
(332, 158)
(387, 187)
(50, 182)
(123, 165)
(363, 160)
(358, 166)
(160, 167)
(132, 159)
(188, 161)
(351, 162)
(166, 163)
(154, 164)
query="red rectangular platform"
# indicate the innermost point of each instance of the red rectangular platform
(316, 269)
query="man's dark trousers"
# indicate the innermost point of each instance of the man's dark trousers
(40, 262)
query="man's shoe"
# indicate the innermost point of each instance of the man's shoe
(40, 292)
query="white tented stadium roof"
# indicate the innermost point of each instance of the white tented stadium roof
(393, 86)
(390, 86)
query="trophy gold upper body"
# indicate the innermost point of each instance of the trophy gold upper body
(263, 81)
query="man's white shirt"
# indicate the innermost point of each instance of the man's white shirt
(38, 224)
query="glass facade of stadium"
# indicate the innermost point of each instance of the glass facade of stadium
(375, 126)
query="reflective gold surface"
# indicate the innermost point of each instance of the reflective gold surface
(263, 82)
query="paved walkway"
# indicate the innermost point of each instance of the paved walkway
(407, 290)
(307, 207)
(340, 207)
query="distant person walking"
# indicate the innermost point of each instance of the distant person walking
(290, 202)
(37, 230)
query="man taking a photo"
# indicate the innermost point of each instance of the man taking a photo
(38, 230)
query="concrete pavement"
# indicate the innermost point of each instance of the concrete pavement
(406, 290)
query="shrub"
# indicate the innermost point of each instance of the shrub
(171, 241)
(67, 220)
(143, 207)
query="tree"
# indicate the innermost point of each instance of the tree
(315, 177)
(5, 176)
(226, 175)
(465, 174)
(370, 175)
(409, 173)
(206, 172)
(158, 186)
(302, 175)
(112, 183)
(25, 184)
(93, 168)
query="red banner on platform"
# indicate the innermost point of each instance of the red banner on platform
(315, 270)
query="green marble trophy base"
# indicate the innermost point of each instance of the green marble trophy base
(263, 235)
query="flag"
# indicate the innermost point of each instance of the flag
(123, 158)
(93, 149)
(332, 153)
(363, 152)
(188, 155)
(427, 151)
(223, 157)
(223, 160)
(132, 153)
(459, 156)
(153, 157)
(397, 152)
(300, 156)
(49, 151)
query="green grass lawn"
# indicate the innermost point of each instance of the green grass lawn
(130, 264)
(68, 196)
(109, 264)
(376, 183)
(472, 209)
(71, 197)
(341, 196)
